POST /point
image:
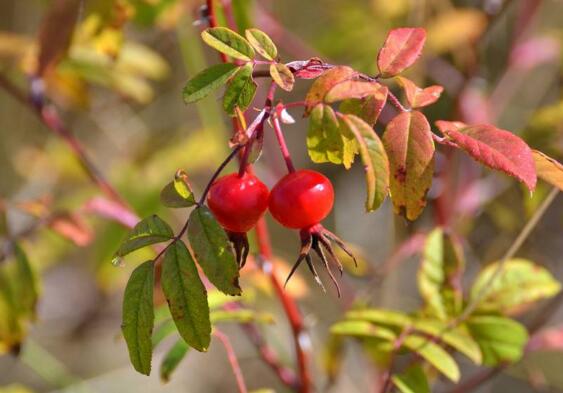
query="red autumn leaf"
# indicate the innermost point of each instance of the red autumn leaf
(356, 89)
(367, 109)
(55, 33)
(409, 146)
(418, 97)
(309, 69)
(497, 149)
(326, 81)
(401, 49)
(549, 169)
(72, 227)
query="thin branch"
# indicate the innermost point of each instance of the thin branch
(231, 355)
(281, 142)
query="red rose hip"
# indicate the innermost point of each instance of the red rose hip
(238, 202)
(301, 199)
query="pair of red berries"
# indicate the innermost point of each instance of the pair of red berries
(300, 200)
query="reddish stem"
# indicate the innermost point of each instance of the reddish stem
(231, 355)
(281, 142)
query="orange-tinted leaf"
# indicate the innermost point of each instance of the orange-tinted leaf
(368, 108)
(497, 149)
(55, 33)
(417, 97)
(327, 81)
(549, 169)
(73, 228)
(282, 75)
(355, 89)
(401, 49)
(409, 146)
(449, 125)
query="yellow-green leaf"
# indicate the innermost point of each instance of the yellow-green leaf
(228, 42)
(362, 329)
(282, 75)
(412, 380)
(438, 357)
(262, 43)
(178, 193)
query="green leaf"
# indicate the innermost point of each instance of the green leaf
(262, 43)
(500, 339)
(381, 317)
(374, 158)
(138, 316)
(240, 90)
(362, 329)
(412, 380)
(410, 149)
(457, 338)
(178, 193)
(208, 80)
(439, 275)
(11, 329)
(186, 296)
(333, 356)
(228, 42)
(282, 75)
(520, 284)
(241, 316)
(149, 231)
(433, 354)
(213, 251)
(172, 359)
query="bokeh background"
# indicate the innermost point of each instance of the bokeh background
(120, 94)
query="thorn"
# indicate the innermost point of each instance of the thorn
(306, 241)
(294, 268)
(245, 250)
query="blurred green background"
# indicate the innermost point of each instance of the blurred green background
(120, 92)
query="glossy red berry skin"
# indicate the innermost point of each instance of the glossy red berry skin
(238, 202)
(301, 199)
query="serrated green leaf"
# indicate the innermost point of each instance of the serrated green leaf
(240, 91)
(520, 284)
(186, 296)
(282, 75)
(374, 158)
(178, 193)
(457, 338)
(138, 316)
(412, 380)
(500, 339)
(172, 359)
(241, 316)
(148, 231)
(410, 149)
(262, 43)
(213, 251)
(228, 42)
(433, 354)
(362, 329)
(208, 80)
(439, 275)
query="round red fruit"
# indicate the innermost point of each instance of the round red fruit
(238, 202)
(301, 199)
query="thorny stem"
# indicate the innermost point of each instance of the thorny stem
(263, 239)
(231, 355)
